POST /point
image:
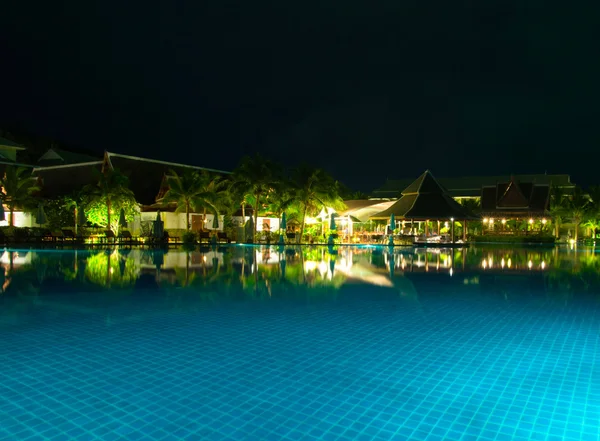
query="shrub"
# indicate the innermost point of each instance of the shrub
(189, 238)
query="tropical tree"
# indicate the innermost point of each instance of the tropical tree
(74, 203)
(110, 190)
(557, 208)
(253, 179)
(577, 208)
(593, 218)
(18, 188)
(314, 189)
(193, 191)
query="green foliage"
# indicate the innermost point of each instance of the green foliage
(18, 188)
(194, 192)
(58, 214)
(112, 192)
(96, 213)
(189, 237)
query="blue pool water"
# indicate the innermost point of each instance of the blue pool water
(245, 343)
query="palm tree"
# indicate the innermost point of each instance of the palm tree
(194, 191)
(557, 208)
(75, 203)
(112, 186)
(254, 178)
(593, 221)
(18, 187)
(577, 208)
(315, 189)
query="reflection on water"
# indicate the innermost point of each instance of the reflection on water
(303, 273)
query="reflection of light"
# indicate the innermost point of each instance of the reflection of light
(529, 264)
(451, 272)
(310, 265)
(502, 263)
(509, 263)
(322, 268)
(543, 265)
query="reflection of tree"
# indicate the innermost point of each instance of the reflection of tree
(106, 269)
(582, 276)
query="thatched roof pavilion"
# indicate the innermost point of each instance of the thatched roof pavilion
(426, 200)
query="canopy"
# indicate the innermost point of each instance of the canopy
(426, 199)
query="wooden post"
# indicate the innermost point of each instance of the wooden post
(464, 230)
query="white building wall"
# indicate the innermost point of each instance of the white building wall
(21, 219)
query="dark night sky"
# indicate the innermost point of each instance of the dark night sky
(367, 90)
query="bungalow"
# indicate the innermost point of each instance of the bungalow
(147, 181)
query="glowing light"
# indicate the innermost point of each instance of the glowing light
(490, 261)
(572, 241)
(543, 265)
(451, 272)
(529, 264)
(530, 221)
(485, 220)
(503, 221)
(484, 264)
(502, 263)
(509, 263)
(491, 220)
(544, 221)
(452, 219)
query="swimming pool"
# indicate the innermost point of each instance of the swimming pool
(258, 343)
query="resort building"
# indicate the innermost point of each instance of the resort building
(471, 187)
(64, 174)
(514, 200)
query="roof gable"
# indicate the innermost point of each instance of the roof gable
(425, 183)
(425, 199)
(513, 197)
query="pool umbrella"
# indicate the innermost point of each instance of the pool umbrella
(40, 215)
(81, 218)
(2, 213)
(249, 228)
(332, 224)
(283, 224)
(282, 227)
(392, 228)
(158, 227)
(332, 227)
(122, 220)
(215, 223)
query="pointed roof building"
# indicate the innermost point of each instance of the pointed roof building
(426, 199)
(515, 199)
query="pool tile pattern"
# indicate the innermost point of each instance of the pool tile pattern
(438, 369)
